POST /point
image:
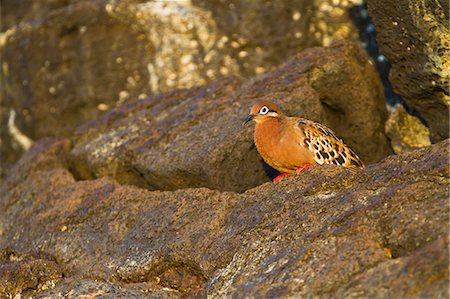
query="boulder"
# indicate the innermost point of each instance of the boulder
(414, 36)
(67, 61)
(194, 138)
(405, 131)
(377, 232)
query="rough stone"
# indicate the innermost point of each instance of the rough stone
(194, 138)
(405, 131)
(377, 232)
(414, 36)
(90, 288)
(67, 61)
(20, 273)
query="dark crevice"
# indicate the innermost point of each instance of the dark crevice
(270, 172)
(367, 34)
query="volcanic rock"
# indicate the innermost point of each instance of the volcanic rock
(405, 131)
(68, 61)
(377, 232)
(193, 138)
(414, 36)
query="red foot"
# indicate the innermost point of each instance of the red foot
(304, 166)
(279, 177)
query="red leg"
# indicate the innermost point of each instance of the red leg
(304, 166)
(279, 177)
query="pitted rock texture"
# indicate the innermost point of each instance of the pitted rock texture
(194, 138)
(405, 131)
(414, 36)
(19, 273)
(377, 232)
(77, 288)
(67, 61)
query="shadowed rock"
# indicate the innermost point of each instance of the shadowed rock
(194, 138)
(67, 61)
(377, 232)
(95, 215)
(414, 36)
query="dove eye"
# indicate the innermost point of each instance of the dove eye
(264, 110)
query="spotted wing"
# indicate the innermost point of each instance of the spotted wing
(326, 146)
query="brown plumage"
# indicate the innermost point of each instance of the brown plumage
(290, 143)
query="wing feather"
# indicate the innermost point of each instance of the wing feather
(326, 146)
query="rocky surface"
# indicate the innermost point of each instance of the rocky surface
(164, 196)
(414, 35)
(19, 273)
(194, 138)
(67, 61)
(377, 232)
(405, 131)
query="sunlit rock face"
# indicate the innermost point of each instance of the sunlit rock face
(194, 137)
(379, 232)
(405, 131)
(64, 62)
(164, 195)
(414, 36)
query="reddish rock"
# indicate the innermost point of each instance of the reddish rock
(194, 138)
(19, 273)
(377, 232)
(67, 61)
